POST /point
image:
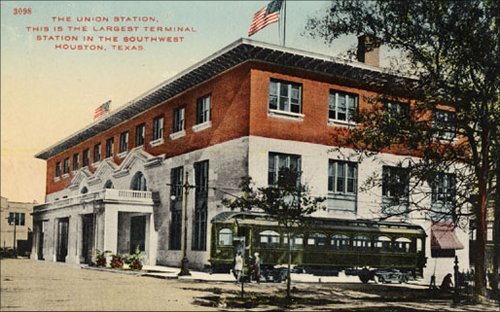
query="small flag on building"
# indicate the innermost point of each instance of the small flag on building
(265, 16)
(102, 109)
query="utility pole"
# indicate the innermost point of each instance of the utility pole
(184, 262)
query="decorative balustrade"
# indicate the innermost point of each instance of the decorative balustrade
(140, 197)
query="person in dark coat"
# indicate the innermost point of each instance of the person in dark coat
(447, 283)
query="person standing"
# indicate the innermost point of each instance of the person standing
(238, 266)
(256, 267)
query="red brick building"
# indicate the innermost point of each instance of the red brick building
(248, 109)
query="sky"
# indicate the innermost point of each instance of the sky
(48, 93)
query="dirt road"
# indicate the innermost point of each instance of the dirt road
(40, 285)
(34, 285)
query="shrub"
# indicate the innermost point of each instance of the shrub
(99, 258)
(135, 260)
(116, 262)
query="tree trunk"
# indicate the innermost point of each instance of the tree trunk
(496, 226)
(479, 266)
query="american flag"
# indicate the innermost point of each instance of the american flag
(102, 109)
(265, 16)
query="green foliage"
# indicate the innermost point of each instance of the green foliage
(99, 258)
(135, 260)
(451, 52)
(288, 201)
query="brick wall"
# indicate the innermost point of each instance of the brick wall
(229, 115)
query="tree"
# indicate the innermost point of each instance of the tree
(451, 53)
(288, 201)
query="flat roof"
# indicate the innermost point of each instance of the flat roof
(238, 52)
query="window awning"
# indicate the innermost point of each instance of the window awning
(443, 236)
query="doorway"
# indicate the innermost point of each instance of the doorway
(40, 238)
(137, 233)
(62, 239)
(87, 237)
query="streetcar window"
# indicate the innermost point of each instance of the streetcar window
(361, 242)
(225, 237)
(419, 245)
(402, 244)
(269, 237)
(339, 241)
(316, 239)
(383, 242)
(296, 240)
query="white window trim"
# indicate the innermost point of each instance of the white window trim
(289, 84)
(122, 154)
(65, 175)
(95, 164)
(285, 115)
(57, 179)
(343, 123)
(156, 142)
(202, 126)
(177, 135)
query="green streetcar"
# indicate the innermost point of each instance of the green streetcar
(323, 246)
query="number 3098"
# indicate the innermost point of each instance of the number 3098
(22, 11)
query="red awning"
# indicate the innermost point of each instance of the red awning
(443, 236)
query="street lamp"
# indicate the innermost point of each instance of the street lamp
(12, 219)
(185, 191)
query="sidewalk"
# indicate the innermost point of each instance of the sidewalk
(166, 272)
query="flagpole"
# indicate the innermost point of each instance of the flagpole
(284, 22)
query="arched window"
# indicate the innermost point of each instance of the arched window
(109, 185)
(340, 241)
(402, 244)
(383, 242)
(84, 190)
(225, 237)
(269, 238)
(138, 182)
(316, 239)
(361, 242)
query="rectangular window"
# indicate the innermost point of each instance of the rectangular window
(443, 194)
(58, 169)
(123, 142)
(397, 109)
(201, 206)
(342, 106)
(16, 217)
(277, 162)
(109, 147)
(139, 135)
(395, 189)
(342, 186)
(285, 96)
(97, 152)
(342, 177)
(66, 165)
(176, 181)
(444, 122)
(158, 128)
(86, 157)
(75, 161)
(203, 110)
(178, 120)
